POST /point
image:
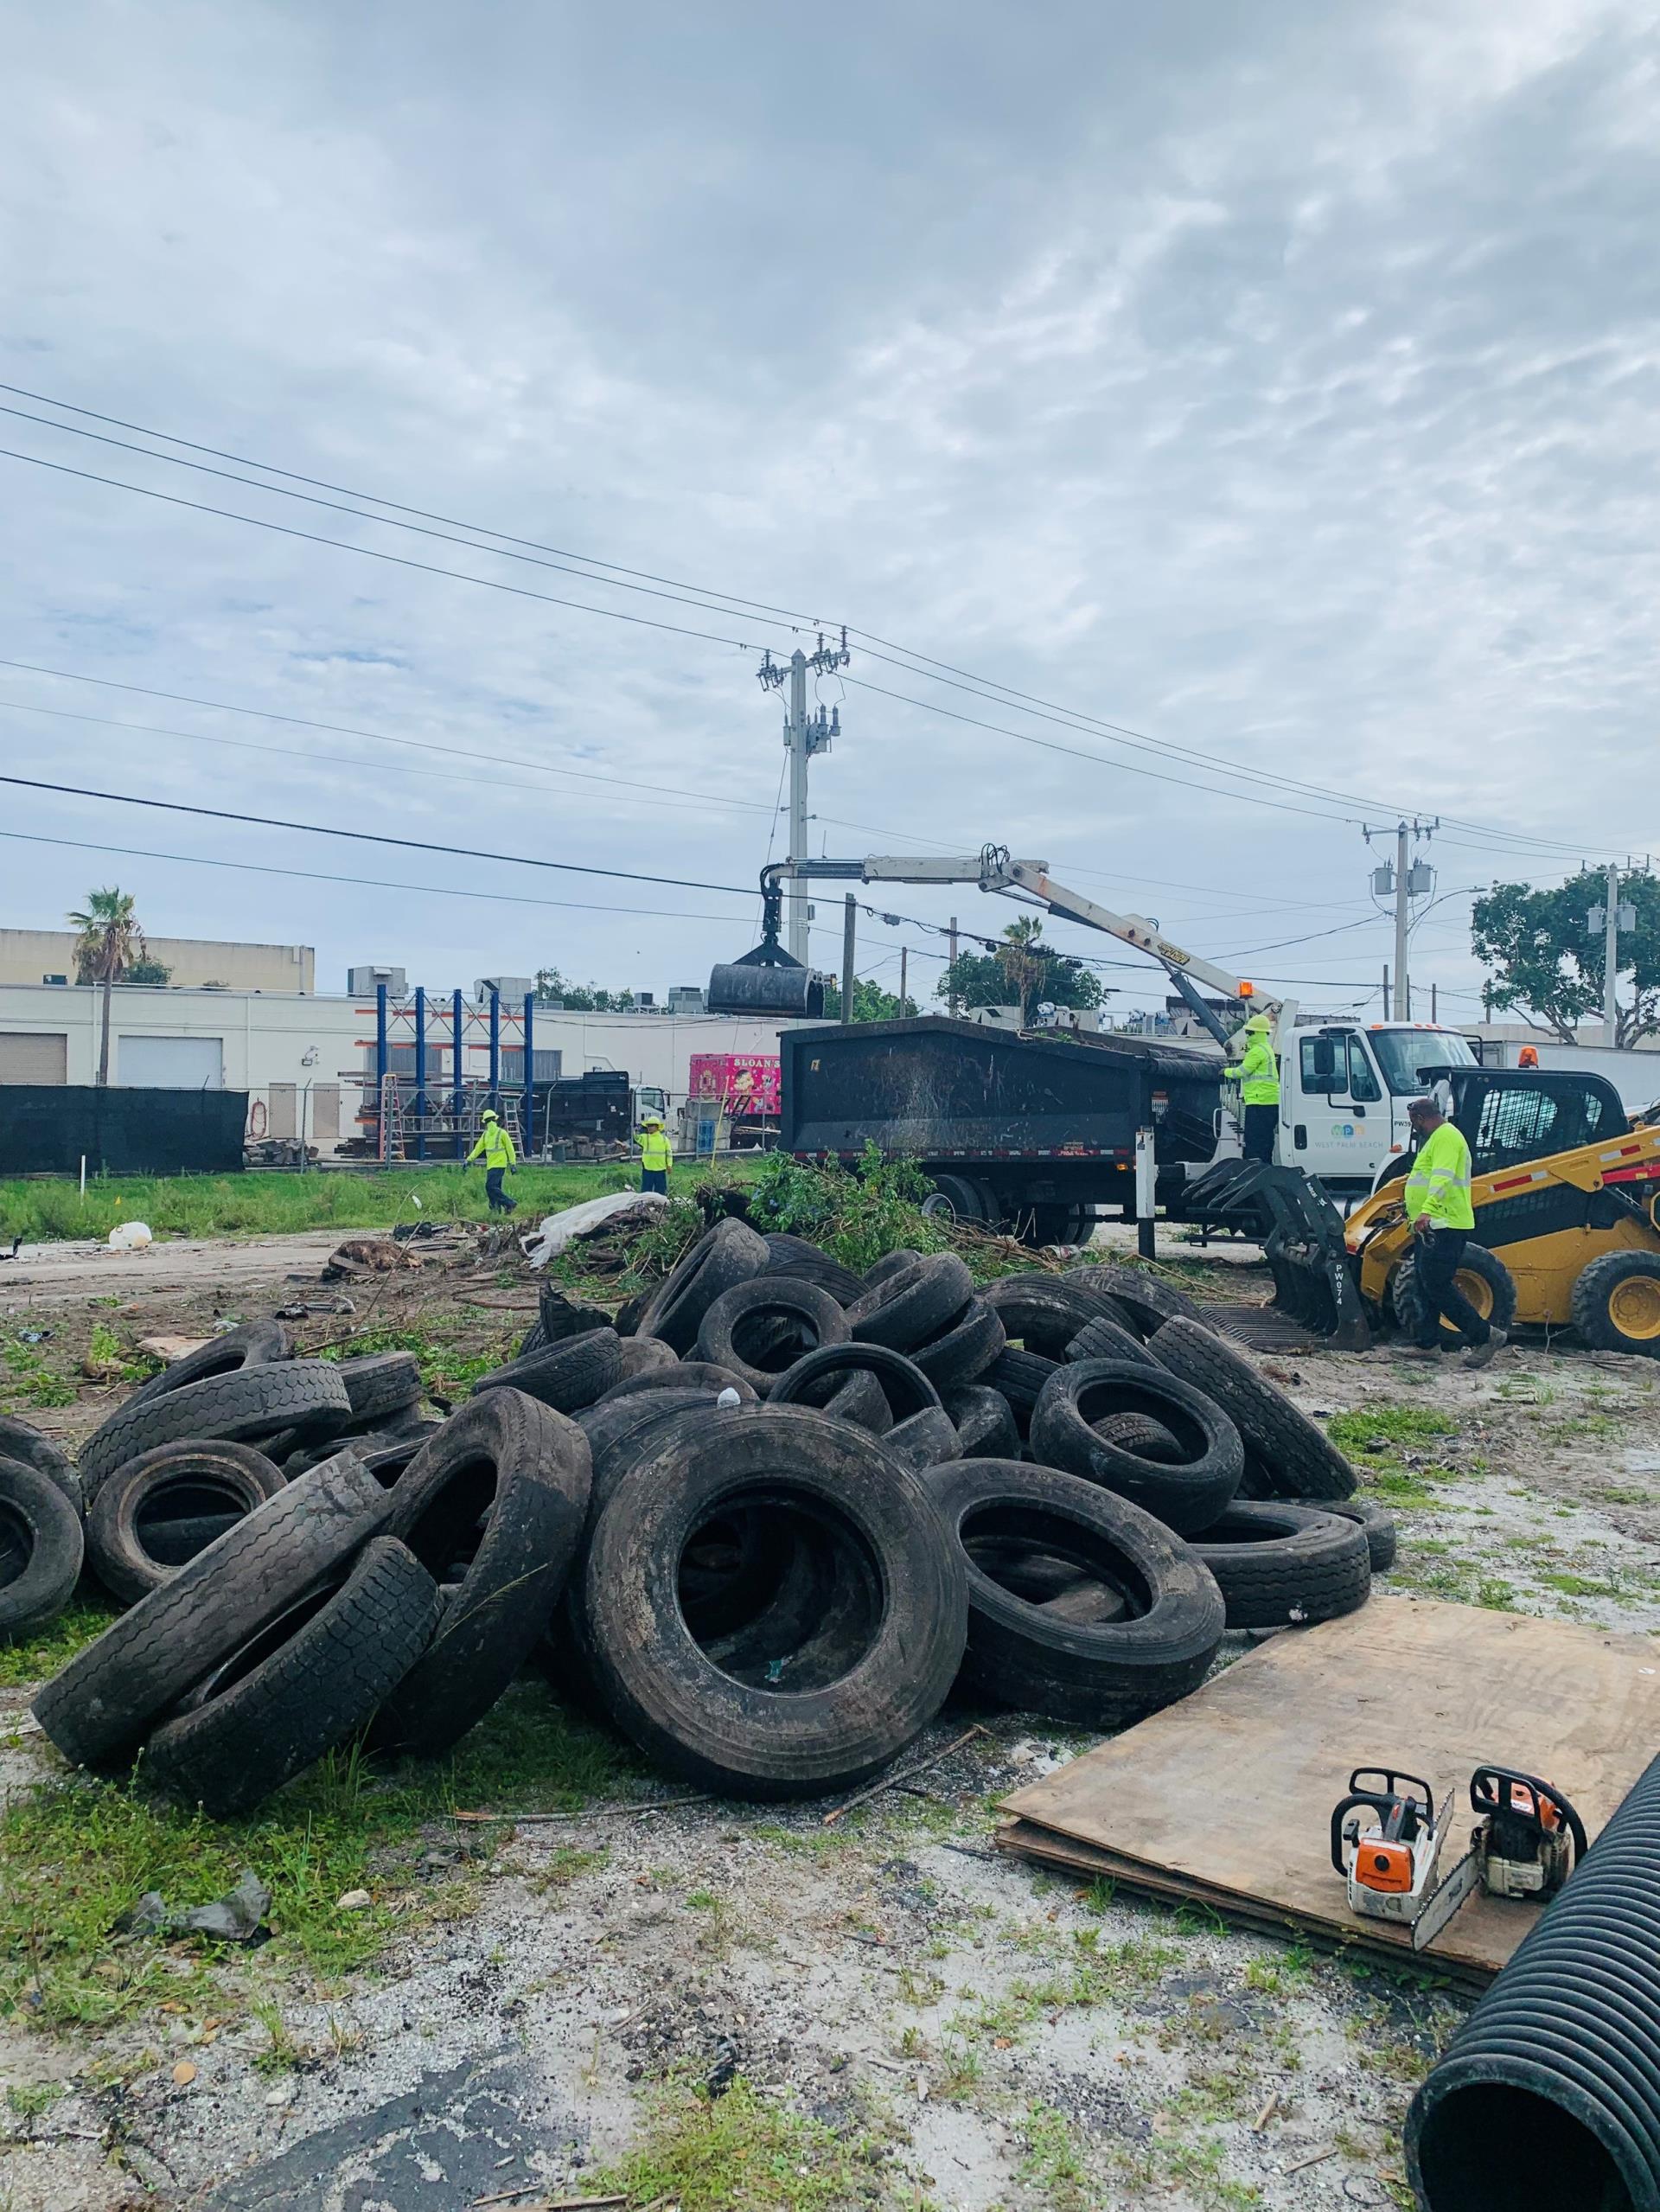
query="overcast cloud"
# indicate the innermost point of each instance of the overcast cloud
(1277, 381)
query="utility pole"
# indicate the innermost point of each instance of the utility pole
(1407, 879)
(951, 1003)
(849, 933)
(804, 735)
(1610, 918)
(904, 958)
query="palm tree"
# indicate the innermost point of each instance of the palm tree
(109, 942)
(1023, 958)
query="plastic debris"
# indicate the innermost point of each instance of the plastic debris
(237, 1917)
(130, 1237)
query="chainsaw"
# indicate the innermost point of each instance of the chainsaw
(1527, 1841)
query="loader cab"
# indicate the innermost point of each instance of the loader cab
(1344, 1088)
(1509, 1115)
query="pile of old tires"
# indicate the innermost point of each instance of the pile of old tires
(766, 1533)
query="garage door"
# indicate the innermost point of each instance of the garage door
(27, 1057)
(171, 1063)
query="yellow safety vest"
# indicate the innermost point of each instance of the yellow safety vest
(655, 1152)
(496, 1145)
(1439, 1184)
(1257, 1073)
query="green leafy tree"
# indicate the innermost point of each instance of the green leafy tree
(581, 998)
(1024, 971)
(1547, 965)
(108, 941)
(153, 972)
(870, 1003)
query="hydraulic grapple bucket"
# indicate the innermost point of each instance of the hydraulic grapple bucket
(1301, 1235)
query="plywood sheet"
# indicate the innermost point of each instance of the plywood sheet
(1227, 1796)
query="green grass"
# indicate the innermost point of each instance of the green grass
(39, 1656)
(1379, 1428)
(263, 1203)
(77, 1853)
(741, 2152)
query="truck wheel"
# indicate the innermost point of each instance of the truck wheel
(957, 1197)
(1482, 1277)
(1617, 1303)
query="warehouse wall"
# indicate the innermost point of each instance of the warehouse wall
(29, 955)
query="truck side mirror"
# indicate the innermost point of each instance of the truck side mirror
(1322, 1062)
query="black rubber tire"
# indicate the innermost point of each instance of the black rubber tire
(175, 1544)
(42, 1548)
(1106, 1338)
(965, 1350)
(304, 1396)
(1186, 1493)
(805, 1262)
(312, 1679)
(502, 1489)
(1020, 1376)
(174, 1482)
(18, 1440)
(913, 1305)
(888, 1266)
(1305, 1463)
(100, 1706)
(1055, 1586)
(568, 1376)
(380, 1383)
(641, 1355)
(389, 1457)
(927, 1439)
(615, 1430)
(907, 1389)
(678, 1375)
(759, 1329)
(1099, 1675)
(1279, 1565)
(984, 1422)
(861, 1399)
(1378, 1527)
(1492, 1291)
(256, 1344)
(1044, 1313)
(1595, 1304)
(1144, 1300)
(890, 1658)
(730, 1253)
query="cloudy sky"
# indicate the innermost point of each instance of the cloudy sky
(1268, 390)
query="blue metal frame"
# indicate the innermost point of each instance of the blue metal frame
(420, 1073)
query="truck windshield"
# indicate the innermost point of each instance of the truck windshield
(1401, 1053)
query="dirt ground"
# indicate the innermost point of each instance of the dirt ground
(972, 2032)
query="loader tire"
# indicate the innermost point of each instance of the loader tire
(1483, 1277)
(1280, 1565)
(256, 1344)
(305, 1397)
(1305, 1463)
(173, 1483)
(314, 1677)
(1069, 1429)
(100, 1707)
(41, 1547)
(1616, 1304)
(730, 1254)
(19, 1442)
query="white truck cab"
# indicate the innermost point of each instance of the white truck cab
(1345, 1087)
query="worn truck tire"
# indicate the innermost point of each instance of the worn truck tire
(1377, 1526)
(641, 1355)
(805, 1262)
(730, 1253)
(760, 1328)
(1280, 1565)
(494, 1509)
(858, 1691)
(816, 1374)
(42, 1548)
(984, 1422)
(1044, 1313)
(888, 1266)
(927, 1439)
(965, 1350)
(172, 1543)
(314, 1677)
(1144, 1300)
(99, 1707)
(1064, 1591)
(305, 1396)
(1187, 1492)
(1102, 1673)
(18, 1440)
(187, 1482)
(1304, 1461)
(1020, 1376)
(567, 1376)
(380, 1383)
(677, 1375)
(861, 1399)
(1105, 1338)
(914, 1304)
(256, 1344)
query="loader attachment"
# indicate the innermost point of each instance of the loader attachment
(1301, 1235)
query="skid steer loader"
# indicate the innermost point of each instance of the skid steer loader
(1565, 1191)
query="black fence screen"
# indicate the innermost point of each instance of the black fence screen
(46, 1129)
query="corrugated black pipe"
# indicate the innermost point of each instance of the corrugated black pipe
(1551, 2092)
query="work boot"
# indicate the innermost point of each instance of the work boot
(1416, 1351)
(1482, 1355)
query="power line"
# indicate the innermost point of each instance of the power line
(378, 837)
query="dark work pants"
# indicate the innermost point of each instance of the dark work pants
(500, 1202)
(1260, 1122)
(1435, 1263)
(654, 1178)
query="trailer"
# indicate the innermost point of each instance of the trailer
(1035, 1129)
